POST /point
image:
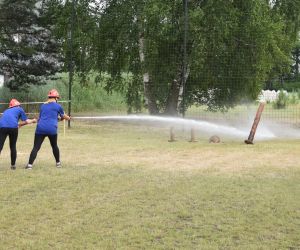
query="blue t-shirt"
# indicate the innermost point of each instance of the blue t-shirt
(11, 116)
(47, 123)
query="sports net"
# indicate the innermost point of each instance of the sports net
(207, 60)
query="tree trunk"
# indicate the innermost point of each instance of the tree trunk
(269, 84)
(148, 85)
(297, 64)
(175, 93)
(175, 97)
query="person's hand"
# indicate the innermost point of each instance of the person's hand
(67, 117)
(34, 120)
(22, 123)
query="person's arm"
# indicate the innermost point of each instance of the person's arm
(27, 121)
(24, 119)
(63, 115)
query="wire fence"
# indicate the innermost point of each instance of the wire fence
(289, 115)
(182, 58)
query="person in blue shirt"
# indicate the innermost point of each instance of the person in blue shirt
(47, 127)
(9, 124)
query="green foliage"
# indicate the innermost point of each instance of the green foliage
(293, 98)
(28, 52)
(233, 47)
(92, 98)
(243, 42)
(288, 85)
(83, 25)
(282, 100)
(95, 98)
(298, 93)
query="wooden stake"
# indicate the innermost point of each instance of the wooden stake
(193, 135)
(255, 123)
(172, 135)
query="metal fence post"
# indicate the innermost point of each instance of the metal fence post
(71, 65)
(184, 56)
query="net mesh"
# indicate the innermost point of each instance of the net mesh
(198, 59)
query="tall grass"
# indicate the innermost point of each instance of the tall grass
(92, 97)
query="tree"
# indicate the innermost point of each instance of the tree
(145, 38)
(286, 12)
(296, 59)
(28, 51)
(233, 47)
(240, 42)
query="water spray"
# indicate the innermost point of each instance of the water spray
(172, 122)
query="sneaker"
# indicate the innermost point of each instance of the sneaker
(58, 164)
(13, 167)
(28, 166)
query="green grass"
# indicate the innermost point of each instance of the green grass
(124, 186)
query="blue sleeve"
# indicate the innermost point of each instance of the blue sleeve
(60, 111)
(23, 116)
(40, 111)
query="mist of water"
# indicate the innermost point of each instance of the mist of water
(208, 128)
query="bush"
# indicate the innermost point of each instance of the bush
(294, 97)
(288, 85)
(281, 101)
(92, 98)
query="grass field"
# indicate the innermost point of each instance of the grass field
(125, 186)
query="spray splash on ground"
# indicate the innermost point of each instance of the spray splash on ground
(209, 128)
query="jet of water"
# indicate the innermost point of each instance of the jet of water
(204, 126)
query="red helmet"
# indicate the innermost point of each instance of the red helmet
(14, 103)
(53, 93)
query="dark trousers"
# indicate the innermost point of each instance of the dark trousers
(12, 133)
(38, 141)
